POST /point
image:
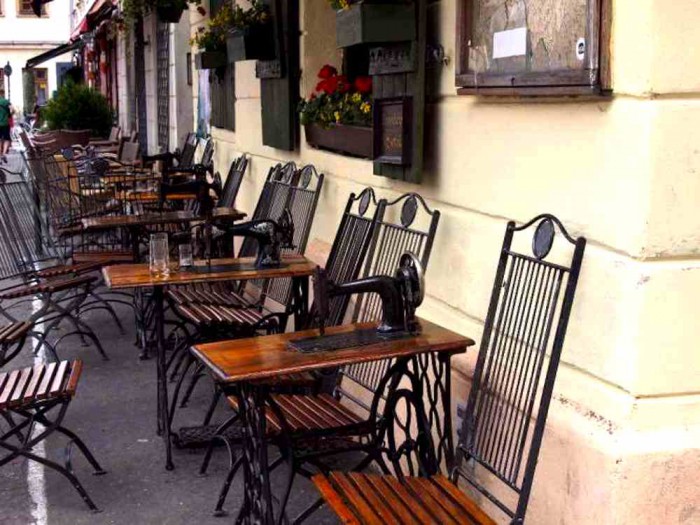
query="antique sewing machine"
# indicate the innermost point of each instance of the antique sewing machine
(271, 236)
(201, 187)
(401, 294)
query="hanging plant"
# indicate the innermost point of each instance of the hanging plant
(132, 9)
(250, 34)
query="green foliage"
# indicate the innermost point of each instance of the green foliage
(228, 17)
(132, 8)
(76, 106)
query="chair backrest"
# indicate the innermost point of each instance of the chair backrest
(114, 133)
(512, 374)
(352, 240)
(129, 152)
(72, 137)
(207, 153)
(405, 224)
(233, 182)
(188, 150)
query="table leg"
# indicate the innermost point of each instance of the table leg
(134, 235)
(300, 302)
(163, 423)
(257, 501)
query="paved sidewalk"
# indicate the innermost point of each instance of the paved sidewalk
(114, 412)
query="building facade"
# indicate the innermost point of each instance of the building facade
(24, 36)
(622, 443)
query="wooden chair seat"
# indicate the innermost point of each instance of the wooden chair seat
(209, 296)
(13, 332)
(67, 269)
(207, 314)
(375, 499)
(51, 286)
(25, 387)
(308, 413)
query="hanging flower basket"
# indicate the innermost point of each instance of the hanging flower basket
(169, 14)
(252, 43)
(341, 138)
(210, 60)
(375, 23)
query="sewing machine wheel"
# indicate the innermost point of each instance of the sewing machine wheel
(411, 269)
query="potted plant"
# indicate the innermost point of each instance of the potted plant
(168, 11)
(211, 40)
(338, 115)
(250, 34)
(371, 23)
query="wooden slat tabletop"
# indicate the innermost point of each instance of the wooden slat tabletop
(151, 219)
(124, 276)
(267, 356)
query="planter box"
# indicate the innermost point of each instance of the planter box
(169, 15)
(375, 23)
(210, 60)
(255, 43)
(348, 140)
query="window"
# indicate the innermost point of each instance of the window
(41, 85)
(537, 49)
(24, 8)
(223, 99)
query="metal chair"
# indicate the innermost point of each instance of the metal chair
(355, 232)
(233, 182)
(513, 382)
(35, 396)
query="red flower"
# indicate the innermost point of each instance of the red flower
(343, 86)
(363, 85)
(327, 72)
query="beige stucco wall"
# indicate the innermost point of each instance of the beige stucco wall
(623, 440)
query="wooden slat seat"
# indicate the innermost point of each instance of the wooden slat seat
(51, 286)
(27, 386)
(13, 332)
(205, 314)
(304, 413)
(66, 269)
(209, 296)
(375, 499)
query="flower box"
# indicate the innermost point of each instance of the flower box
(375, 23)
(253, 43)
(210, 60)
(339, 138)
(170, 14)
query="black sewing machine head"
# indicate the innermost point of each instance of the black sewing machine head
(401, 295)
(271, 236)
(199, 186)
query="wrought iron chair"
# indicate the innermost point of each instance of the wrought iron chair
(343, 418)
(233, 182)
(40, 395)
(183, 157)
(513, 381)
(355, 232)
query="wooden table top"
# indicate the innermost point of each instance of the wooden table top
(267, 356)
(139, 275)
(148, 219)
(152, 196)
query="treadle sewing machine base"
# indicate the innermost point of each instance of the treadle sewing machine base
(236, 267)
(355, 339)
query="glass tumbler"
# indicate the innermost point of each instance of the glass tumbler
(185, 253)
(159, 255)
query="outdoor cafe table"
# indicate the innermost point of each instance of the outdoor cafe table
(240, 367)
(135, 223)
(139, 277)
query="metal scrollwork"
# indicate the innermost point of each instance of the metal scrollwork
(364, 203)
(408, 211)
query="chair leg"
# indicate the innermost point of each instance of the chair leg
(99, 471)
(210, 449)
(198, 374)
(16, 451)
(212, 406)
(219, 510)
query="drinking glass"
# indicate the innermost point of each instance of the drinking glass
(185, 252)
(159, 255)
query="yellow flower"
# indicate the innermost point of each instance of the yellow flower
(337, 116)
(365, 107)
(356, 97)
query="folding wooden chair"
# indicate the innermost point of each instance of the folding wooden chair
(40, 395)
(513, 381)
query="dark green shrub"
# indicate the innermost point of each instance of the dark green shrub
(76, 106)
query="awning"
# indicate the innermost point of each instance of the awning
(53, 53)
(100, 10)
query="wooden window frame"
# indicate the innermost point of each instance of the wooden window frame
(594, 80)
(30, 13)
